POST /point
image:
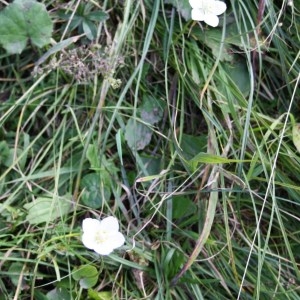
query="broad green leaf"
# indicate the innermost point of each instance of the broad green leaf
(94, 295)
(213, 39)
(239, 74)
(89, 29)
(59, 293)
(192, 145)
(182, 207)
(4, 153)
(14, 272)
(137, 135)
(12, 156)
(296, 136)
(152, 110)
(93, 157)
(152, 165)
(94, 187)
(23, 20)
(38, 295)
(76, 22)
(98, 16)
(47, 209)
(87, 276)
(172, 261)
(183, 7)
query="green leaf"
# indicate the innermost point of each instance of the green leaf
(59, 293)
(238, 72)
(207, 158)
(98, 16)
(47, 209)
(94, 187)
(94, 295)
(87, 276)
(12, 156)
(14, 272)
(183, 7)
(38, 295)
(58, 47)
(152, 109)
(192, 145)
(151, 164)
(182, 207)
(76, 22)
(23, 20)
(137, 135)
(4, 152)
(213, 39)
(94, 159)
(172, 261)
(89, 29)
(296, 136)
(93, 156)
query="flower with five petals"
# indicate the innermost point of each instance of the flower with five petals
(102, 236)
(207, 11)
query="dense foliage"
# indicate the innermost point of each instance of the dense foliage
(186, 133)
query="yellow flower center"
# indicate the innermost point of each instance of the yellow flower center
(101, 236)
(208, 6)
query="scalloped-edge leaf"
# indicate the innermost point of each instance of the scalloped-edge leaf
(96, 189)
(23, 20)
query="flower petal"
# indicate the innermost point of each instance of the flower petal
(198, 15)
(88, 240)
(211, 20)
(196, 3)
(116, 240)
(220, 8)
(110, 224)
(102, 236)
(103, 249)
(90, 224)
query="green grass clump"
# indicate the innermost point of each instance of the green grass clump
(187, 134)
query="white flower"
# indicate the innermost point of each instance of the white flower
(207, 11)
(102, 236)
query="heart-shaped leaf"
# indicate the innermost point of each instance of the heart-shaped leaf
(23, 20)
(95, 187)
(86, 275)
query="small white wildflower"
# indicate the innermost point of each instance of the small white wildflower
(207, 11)
(102, 236)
